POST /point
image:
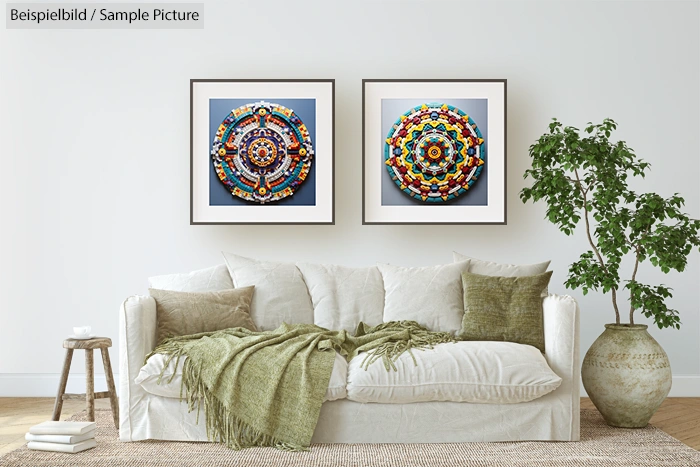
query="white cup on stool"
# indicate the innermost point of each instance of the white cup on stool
(82, 331)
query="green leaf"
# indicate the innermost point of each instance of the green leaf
(583, 175)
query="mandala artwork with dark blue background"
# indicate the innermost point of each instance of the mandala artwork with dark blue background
(262, 152)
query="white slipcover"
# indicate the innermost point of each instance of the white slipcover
(553, 417)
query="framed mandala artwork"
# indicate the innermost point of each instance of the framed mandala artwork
(261, 151)
(434, 151)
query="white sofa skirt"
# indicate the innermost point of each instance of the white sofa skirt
(345, 421)
(554, 417)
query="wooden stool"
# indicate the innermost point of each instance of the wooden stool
(102, 343)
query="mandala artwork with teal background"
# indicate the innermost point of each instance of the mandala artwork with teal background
(262, 152)
(434, 153)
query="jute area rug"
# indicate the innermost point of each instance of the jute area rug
(600, 445)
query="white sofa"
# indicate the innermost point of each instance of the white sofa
(346, 417)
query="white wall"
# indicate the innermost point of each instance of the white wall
(94, 156)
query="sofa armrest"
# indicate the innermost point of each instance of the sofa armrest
(137, 338)
(561, 345)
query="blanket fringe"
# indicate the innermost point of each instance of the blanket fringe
(222, 425)
(419, 339)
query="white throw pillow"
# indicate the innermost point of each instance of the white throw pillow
(280, 292)
(342, 296)
(431, 296)
(214, 279)
(473, 371)
(150, 373)
(489, 268)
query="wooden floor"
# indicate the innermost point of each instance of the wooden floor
(679, 417)
(17, 414)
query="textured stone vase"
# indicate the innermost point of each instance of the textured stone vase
(627, 375)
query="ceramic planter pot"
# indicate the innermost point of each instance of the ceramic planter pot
(627, 375)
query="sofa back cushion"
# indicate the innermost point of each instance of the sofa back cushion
(202, 280)
(343, 296)
(280, 292)
(431, 296)
(490, 268)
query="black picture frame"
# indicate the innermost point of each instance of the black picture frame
(439, 90)
(329, 212)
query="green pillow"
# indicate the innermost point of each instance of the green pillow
(184, 313)
(504, 308)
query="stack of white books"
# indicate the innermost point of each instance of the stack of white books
(62, 436)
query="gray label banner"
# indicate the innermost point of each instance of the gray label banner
(105, 16)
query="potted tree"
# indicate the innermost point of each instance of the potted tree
(582, 175)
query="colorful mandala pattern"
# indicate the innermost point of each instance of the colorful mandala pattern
(262, 152)
(434, 152)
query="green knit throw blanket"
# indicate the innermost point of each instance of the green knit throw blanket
(266, 388)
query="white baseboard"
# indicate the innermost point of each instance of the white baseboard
(46, 384)
(683, 386)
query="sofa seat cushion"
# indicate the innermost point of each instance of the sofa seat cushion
(479, 372)
(150, 372)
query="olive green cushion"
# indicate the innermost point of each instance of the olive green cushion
(504, 308)
(184, 313)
